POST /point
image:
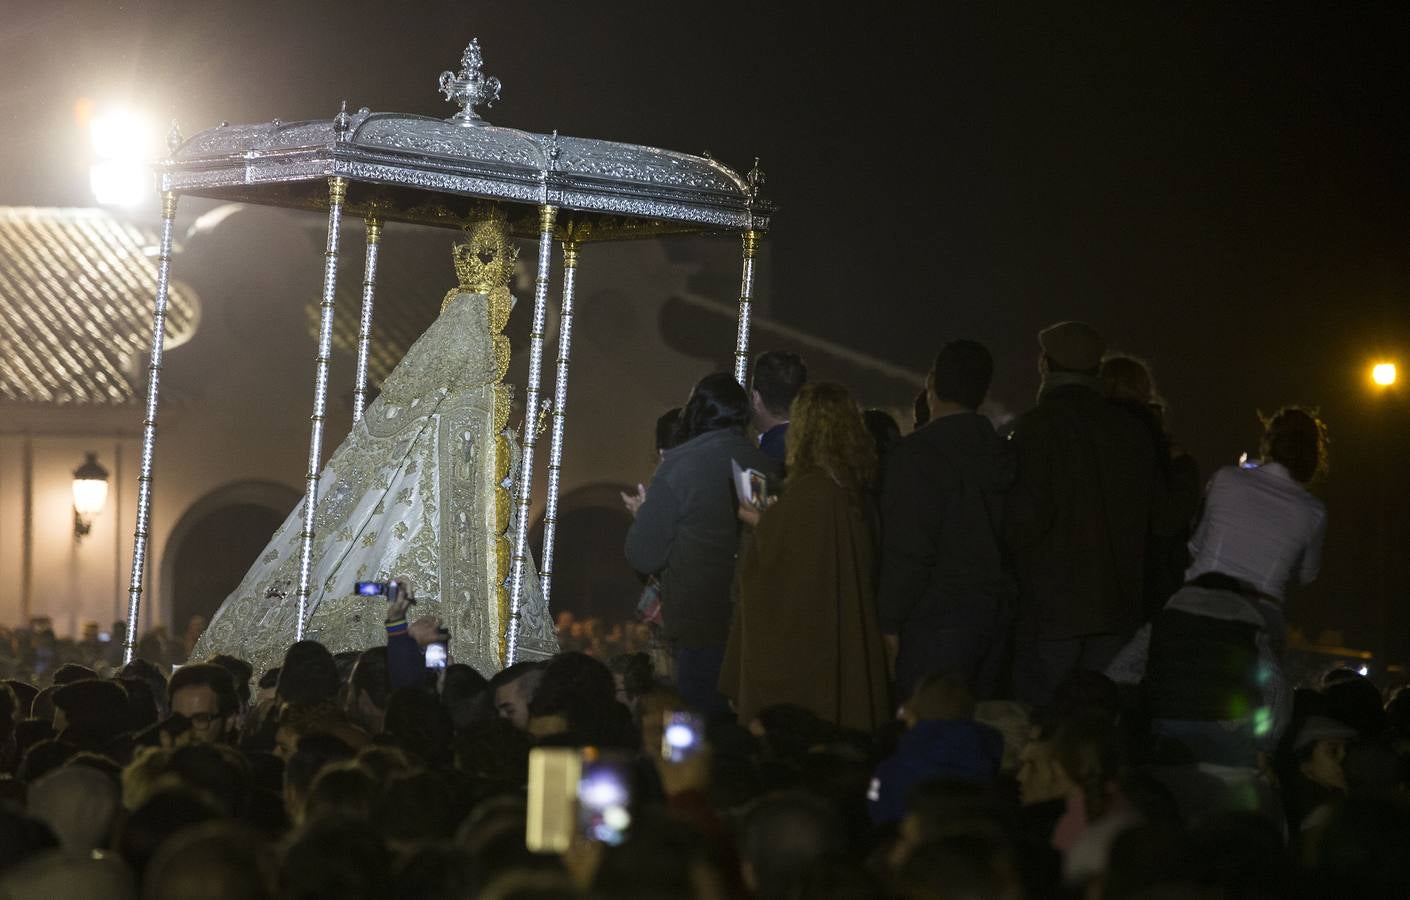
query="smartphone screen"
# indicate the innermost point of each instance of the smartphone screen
(553, 788)
(436, 655)
(682, 736)
(604, 798)
(370, 588)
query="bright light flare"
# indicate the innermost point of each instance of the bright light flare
(89, 496)
(119, 183)
(121, 134)
(124, 143)
(1384, 374)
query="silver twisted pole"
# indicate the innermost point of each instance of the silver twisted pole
(746, 307)
(547, 215)
(337, 193)
(560, 405)
(364, 329)
(149, 429)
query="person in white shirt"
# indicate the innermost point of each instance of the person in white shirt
(1209, 663)
(1260, 525)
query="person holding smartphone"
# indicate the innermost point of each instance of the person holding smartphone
(413, 648)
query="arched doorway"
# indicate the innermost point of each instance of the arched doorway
(591, 578)
(214, 544)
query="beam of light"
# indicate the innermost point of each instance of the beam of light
(1384, 374)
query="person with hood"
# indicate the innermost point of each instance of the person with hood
(945, 593)
(942, 741)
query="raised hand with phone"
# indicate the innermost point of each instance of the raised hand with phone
(412, 647)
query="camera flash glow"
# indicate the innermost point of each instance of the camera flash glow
(680, 736)
(601, 793)
(616, 818)
(1364, 671)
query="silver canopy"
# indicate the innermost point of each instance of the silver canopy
(430, 171)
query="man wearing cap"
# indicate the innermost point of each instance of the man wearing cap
(1077, 517)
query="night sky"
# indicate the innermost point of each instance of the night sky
(1223, 192)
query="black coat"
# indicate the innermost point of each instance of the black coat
(687, 533)
(1078, 517)
(941, 518)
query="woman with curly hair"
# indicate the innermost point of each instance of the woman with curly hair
(805, 629)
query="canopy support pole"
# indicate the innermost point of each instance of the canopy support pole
(746, 307)
(337, 193)
(364, 329)
(547, 216)
(149, 429)
(560, 409)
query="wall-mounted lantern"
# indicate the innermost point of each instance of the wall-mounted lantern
(90, 492)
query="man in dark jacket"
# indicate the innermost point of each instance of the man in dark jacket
(778, 377)
(944, 591)
(1077, 518)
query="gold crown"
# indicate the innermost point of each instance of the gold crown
(486, 259)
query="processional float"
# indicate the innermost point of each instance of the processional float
(392, 167)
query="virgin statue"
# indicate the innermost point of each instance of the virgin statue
(419, 489)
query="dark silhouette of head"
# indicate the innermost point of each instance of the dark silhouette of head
(777, 377)
(961, 373)
(717, 402)
(784, 835)
(309, 675)
(1297, 438)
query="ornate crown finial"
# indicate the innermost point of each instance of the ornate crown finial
(173, 137)
(342, 121)
(755, 179)
(486, 259)
(469, 87)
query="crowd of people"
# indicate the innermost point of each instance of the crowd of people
(953, 664)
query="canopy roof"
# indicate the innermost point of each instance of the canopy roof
(433, 171)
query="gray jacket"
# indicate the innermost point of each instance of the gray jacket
(687, 534)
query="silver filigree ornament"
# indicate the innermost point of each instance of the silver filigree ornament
(469, 87)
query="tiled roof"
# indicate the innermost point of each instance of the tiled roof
(76, 290)
(395, 327)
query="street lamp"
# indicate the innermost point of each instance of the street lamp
(1383, 374)
(90, 493)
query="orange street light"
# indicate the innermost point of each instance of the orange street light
(1383, 374)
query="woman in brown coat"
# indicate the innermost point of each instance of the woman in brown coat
(805, 629)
